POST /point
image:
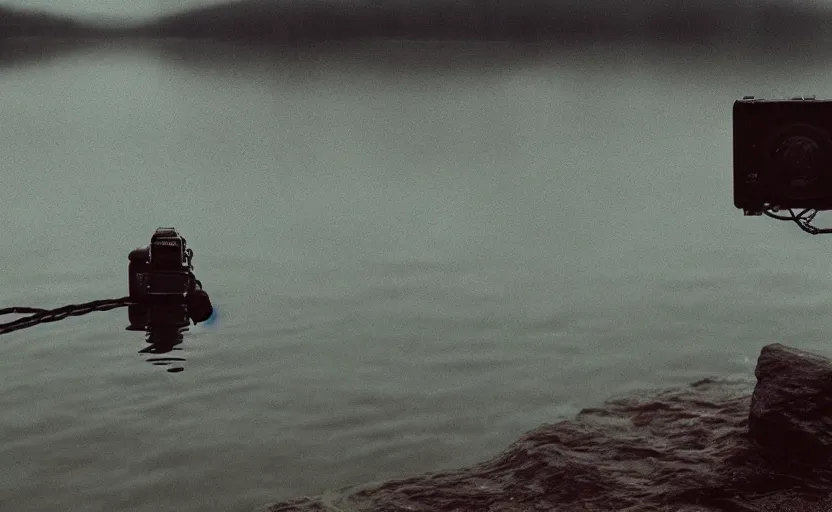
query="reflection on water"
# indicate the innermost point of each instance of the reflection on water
(33, 51)
(164, 340)
(164, 325)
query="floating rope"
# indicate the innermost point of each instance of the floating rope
(39, 316)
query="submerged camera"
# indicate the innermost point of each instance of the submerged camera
(782, 154)
(164, 292)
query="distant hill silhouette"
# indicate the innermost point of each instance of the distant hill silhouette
(15, 23)
(289, 21)
(692, 21)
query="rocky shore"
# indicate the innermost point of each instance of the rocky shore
(716, 445)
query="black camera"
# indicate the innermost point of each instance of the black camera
(782, 154)
(164, 292)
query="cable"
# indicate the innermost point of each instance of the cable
(775, 216)
(21, 310)
(803, 220)
(40, 316)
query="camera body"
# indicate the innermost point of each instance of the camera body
(164, 292)
(782, 154)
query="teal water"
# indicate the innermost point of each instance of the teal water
(419, 252)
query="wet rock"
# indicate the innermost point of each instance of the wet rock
(791, 408)
(685, 449)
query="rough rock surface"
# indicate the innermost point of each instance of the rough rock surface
(791, 409)
(676, 450)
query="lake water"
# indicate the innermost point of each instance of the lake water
(418, 252)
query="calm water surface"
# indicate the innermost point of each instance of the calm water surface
(418, 252)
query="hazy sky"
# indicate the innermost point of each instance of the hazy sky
(109, 8)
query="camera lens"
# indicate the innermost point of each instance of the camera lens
(800, 155)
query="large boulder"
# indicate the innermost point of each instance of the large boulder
(683, 449)
(791, 408)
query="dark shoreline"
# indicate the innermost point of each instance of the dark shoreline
(714, 446)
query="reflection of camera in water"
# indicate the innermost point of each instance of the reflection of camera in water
(162, 342)
(782, 154)
(164, 292)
